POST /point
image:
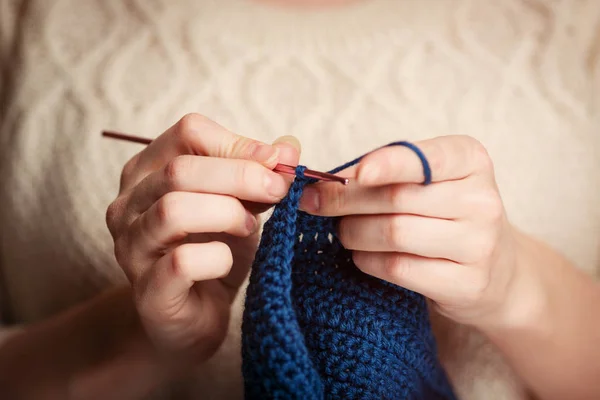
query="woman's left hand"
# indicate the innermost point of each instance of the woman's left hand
(450, 240)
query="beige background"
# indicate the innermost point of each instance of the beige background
(521, 76)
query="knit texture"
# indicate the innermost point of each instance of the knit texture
(521, 76)
(316, 327)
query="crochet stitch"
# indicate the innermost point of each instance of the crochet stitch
(316, 327)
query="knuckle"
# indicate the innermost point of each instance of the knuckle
(488, 246)
(360, 259)
(129, 169)
(345, 233)
(488, 205)
(397, 196)
(394, 234)
(240, 219)
(224, 252)
(167, 209)
(113, 212)
(190, 122)
(189, 125)
(237, 145)
(368, 263)
(130, 165)
(385, 158)
(176, 171)
(243, 175)
(483, 249)
(477, 288)
(180, 260)
(396, 267)
(333, 199)
(495, 209)
(234, 215)
(438, 159)
(479, 155)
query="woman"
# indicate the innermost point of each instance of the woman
(343, 79)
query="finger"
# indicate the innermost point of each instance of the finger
(198, 135)
(448, 200)
(449, 157)
(242, 179)
(165, 287)
(289, 153)
(289, 149)
(437, 279)
(177, 214)
(427, 237)
(322, 198)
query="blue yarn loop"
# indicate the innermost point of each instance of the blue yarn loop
(413, 147)
(300, 172)
(316, 327)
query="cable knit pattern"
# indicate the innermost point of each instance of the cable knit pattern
(316, 327)
(522, 76)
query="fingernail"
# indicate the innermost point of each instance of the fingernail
(275, 185)
(368, 174)
(287, 154)
(251, 222)
(290, 141)
(264, 152)
(310, 201)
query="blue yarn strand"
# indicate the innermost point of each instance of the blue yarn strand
(316, 327)
(413, 147)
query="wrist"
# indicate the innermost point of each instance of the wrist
(526, 303)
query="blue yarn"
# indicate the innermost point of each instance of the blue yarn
(415, 149)
(316, 327)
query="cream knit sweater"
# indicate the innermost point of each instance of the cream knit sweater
(523, 76)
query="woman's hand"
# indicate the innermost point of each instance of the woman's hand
(450, 240)
(185, 228)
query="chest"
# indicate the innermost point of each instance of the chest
(524, 88)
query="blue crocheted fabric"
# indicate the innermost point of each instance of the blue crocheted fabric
(316, 327)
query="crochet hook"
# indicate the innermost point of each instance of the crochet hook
(283, 168)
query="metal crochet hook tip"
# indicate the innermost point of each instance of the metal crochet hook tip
(322, 176)
(283, 168)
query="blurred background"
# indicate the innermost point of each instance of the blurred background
(522, 76)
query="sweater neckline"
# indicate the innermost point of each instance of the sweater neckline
(353, 25)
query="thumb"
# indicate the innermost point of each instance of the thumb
(198, 135)
(289, 150)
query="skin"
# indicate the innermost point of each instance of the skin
(185, 238)
(452, 242)
(185, 231)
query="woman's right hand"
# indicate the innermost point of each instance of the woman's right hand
(185, 228)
